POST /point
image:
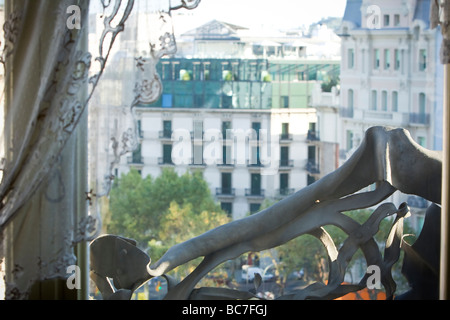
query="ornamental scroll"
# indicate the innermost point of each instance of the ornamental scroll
(386, 156)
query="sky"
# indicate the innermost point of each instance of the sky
(266, 13)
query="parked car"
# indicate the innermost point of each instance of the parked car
(248, 273)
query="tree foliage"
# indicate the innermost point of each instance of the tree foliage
(163, 210)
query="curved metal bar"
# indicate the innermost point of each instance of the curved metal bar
(376, 160)
(322, 214)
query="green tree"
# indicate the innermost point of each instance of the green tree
(329, 83)
(181, 223)
(139, 206)
(132, 209)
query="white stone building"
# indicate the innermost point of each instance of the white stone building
(265, 92)
(390, 76)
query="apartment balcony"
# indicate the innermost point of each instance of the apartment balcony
(386, 117)
(227, 165)
(284, 192)
(200, 165)
(225, 192)
(165, 162)
(286, 137)
(254, 164)
(312, 136)
(419, 118)
(135, 160)
(165, 135)
(254, 193)
(346, 112)
(312, 167)
(286, 163)
(197, 135)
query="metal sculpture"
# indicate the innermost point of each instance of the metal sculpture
(386, 156)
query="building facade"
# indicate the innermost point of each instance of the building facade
(390, 76)
(243, 119)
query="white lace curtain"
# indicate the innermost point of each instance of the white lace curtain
(53, 73)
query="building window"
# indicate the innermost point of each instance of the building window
(139, 129)
(387, 59)
(310, 179)
(422, 103)
(312, 165)
(197, 143)
(397, 59)
(167, 100)
(396, 20)
(256, 126)
(226, 183)
(351, 58)
(349, 140)
(285, 131)
(350, 99)
(185, 75)
(255, 184)
(227, 101)
(197, 71)
(384, 100)
(376, 59)
(421, 141)
(386, 20)
(226, 155)
(284, 183)
(284, 156)
(136, 155)
(167, 154)
(422, 59)
(166, 71)
(199, 100)
(284, 101)
(226, 125)
(227, 207)
(374, 100)
(254, 207)
(394, 101)
(167, 129)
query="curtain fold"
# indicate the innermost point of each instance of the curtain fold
(47, 86)
(54, 73)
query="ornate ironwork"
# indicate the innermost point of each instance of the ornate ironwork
(384, 157)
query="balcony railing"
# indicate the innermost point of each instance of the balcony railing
(254, 163)
(135, 160)
(284, 192)
(198, 164)
(312, 135)
(254, 192)
(312, 167)
(165, 161)
(165, 134)
(346, 112)
(227, 192)
(227, 164)
(285, 137)
(419, 118)
(198, 135)
(286, 163)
